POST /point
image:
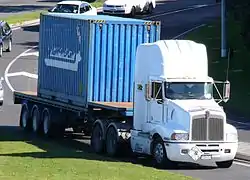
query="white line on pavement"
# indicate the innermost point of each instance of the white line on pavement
(22, 73)
(6, 72)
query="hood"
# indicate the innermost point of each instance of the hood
(115, 2)
(195, 105)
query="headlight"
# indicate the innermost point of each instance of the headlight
(179, 136)
(232, 137)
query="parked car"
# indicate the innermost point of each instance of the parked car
(1, 91)
(124, 7)
(5, 37)
(74, 7)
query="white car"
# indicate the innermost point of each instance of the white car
(1, 91)
(128, 7)
(74, 7)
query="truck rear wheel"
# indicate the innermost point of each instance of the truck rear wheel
(150, 8)
(133, 12)
(224, 164)
(111, 141)
(36, 123)
(97, 142)
(24, 118)
(46, 123)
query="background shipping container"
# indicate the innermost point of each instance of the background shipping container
(90, 58)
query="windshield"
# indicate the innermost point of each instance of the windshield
(186, 90)
(66, 8)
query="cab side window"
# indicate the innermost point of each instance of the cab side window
(156, 92)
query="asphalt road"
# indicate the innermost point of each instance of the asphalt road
(172, 25)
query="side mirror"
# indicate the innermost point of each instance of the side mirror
(226, 91)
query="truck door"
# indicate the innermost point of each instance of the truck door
(156, 103)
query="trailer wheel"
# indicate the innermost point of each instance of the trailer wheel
(133, 12)
(97, 142)
(111, 141)
(160, 158)
(36, 122)
(150, 8)
(24, 118)
(46, 123)
(224, 164)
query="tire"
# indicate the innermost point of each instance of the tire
(1, 50)
(133, 12)
(47, 124)
(36, 121)
(224, 164)
(24, 118)
(9, 46)
(150, 8)
(160, 159)
(97, 142)
(111, 141)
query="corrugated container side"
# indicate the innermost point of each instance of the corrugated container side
(88, 60)
(112, 59)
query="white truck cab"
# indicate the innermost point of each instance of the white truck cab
(176, 118)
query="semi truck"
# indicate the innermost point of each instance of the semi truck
(113, 78)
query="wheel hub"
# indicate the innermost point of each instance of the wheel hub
(159, 153)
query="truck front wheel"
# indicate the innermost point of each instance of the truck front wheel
(160, 156)
(224, 164)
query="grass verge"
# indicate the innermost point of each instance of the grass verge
(16, 19)
(239, 64)
(23, 157)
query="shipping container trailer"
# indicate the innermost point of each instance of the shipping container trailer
(85, 73)
(90, 58)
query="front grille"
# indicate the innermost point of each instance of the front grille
(210, 129)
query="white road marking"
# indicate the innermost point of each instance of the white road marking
(192, 29)
(181, 10)
(241, 164)
(31, 54)
(6, 72)
(22, 73)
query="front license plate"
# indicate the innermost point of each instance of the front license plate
(206, 156)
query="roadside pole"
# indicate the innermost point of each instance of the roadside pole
(223, 29)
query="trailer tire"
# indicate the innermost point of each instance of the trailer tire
(36, 120)
(150, 8)
(133, 12)
(160, 159)
(97, 142)
(24, 118)
(112, 141)
(46, 123)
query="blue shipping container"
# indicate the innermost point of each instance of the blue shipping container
(90, 58)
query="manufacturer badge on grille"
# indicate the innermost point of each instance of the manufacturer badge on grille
(207, 114)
